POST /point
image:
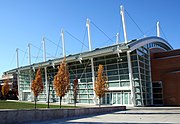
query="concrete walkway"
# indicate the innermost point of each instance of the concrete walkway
(133, 115)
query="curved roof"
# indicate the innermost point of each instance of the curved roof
(144, 41)
(122, 47)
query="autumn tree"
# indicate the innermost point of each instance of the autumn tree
(62, 81)
(75, 90)
(5, 88)
(37, 85)
(101, 84)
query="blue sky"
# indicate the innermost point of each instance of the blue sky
(23, 22)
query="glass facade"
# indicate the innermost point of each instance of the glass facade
(125, 88)
(140, 59)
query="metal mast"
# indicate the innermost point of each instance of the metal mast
(63, 44)
(90, 48)
(124, 24)
(158, 29)
(45, 69)
(117, 38)
(44, 49)
(29, 54)
(17, 57)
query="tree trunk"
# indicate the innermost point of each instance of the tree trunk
(60, 101)
(99, 102)
(74, 100)
(35, 99)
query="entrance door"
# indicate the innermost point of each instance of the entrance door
(121, 98)
(107, 99)
(26, 96)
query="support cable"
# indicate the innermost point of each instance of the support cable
(110, 40)
(55, 43)
(72, 71)
(84, 69)
(57, 47)
(76, 39)
(13, 59)
(40, 49)
(101, 31)
(135, 23)
(163, 33)
(83, 39)
(25, 52)
(149, 31)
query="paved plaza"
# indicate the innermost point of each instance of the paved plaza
(156, 115)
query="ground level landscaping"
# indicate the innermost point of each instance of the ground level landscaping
(23, 105)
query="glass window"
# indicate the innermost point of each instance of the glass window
(141, 64)
(134, 63)
(99, 62)
(113, 72)
(123, 59)
(111, 61)
(99, 58)
(137, 83)
(114, 98)
(136, 76)
(138, 95)
(111, 56)
(114, 66)
(124, 77)
(125, 98)
(124, 71)
(110, 78)
(134, 57)
(125, 84)
(123, 65)
(137, 89)
(113, 84)
(89, 79)
(135, 70)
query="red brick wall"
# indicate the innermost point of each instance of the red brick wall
(166, 68)
(171, 88)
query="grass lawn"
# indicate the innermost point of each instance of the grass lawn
(22, 105)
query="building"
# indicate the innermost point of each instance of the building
(13, 86)
(127, 66)
(166, 77)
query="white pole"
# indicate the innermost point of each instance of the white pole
(29, 53)
(89, 34)
(30, 73)
(17, 57)
(63, 44)
(124, 23)
(45, 69)
(131, 78)
(158, 29)
(17, 62)
(44, 49)
(117, 38)
(92, 63)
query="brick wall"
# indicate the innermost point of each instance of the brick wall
(166, 68)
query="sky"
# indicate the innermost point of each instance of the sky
(23, 22)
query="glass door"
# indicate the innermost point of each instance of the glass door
(107, 99)
(121, 98)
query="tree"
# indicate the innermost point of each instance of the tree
(5, 88)
(75, 90)
(101, 84)
(37, 85)
(62, 81)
